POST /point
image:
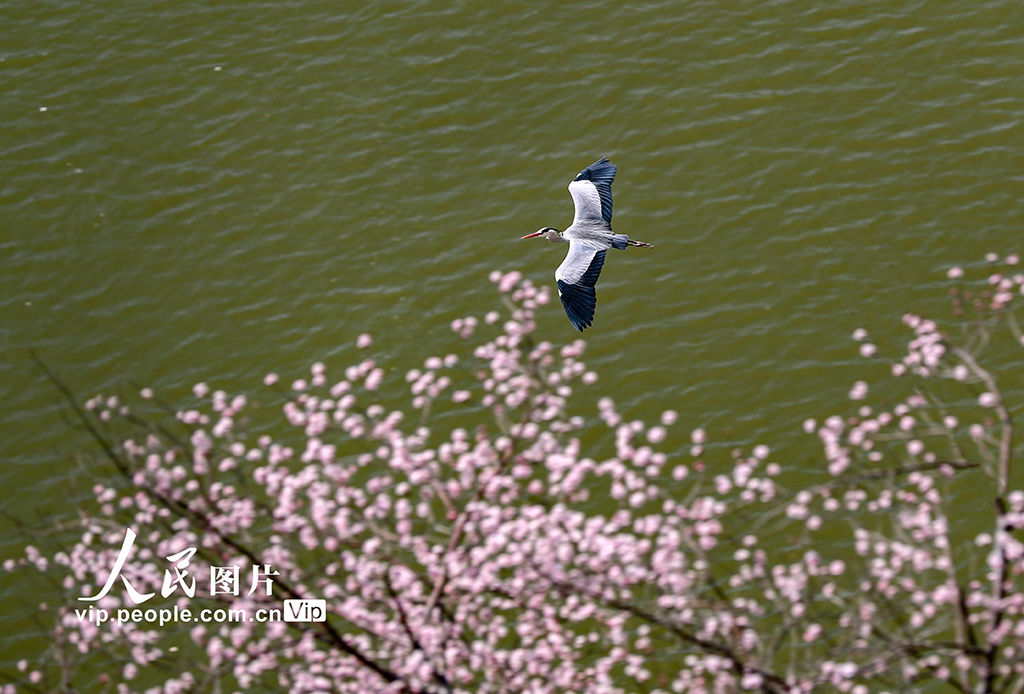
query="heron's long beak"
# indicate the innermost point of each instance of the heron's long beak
(533, 235)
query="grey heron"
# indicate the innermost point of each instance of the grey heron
(590, 236)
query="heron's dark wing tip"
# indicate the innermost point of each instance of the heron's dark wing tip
(579, 302)
(601, 173)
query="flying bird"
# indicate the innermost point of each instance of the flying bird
(590, 236)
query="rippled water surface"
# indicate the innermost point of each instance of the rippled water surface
(211, 191)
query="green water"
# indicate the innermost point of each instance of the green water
(211, 191)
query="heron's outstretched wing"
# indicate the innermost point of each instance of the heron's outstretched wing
(591, 191)
(576, 277)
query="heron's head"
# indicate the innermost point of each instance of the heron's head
(550, 233)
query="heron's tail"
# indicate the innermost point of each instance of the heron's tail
(621, 241)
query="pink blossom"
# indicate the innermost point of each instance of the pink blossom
(508, 281)
(373, 379)
(562, 545)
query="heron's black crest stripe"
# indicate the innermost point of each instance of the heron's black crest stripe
(601, 173)
(579, 302)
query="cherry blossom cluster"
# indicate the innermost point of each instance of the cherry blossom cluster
(473, 525)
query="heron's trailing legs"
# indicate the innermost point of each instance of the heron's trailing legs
(641, 244)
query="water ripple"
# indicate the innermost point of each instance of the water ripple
(215, 191)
